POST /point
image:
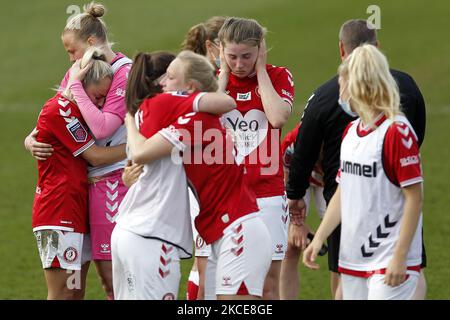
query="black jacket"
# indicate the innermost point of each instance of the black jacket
(324, 122)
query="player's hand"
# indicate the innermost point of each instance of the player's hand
(310, 254)
(77, 72)
(395, 273)
(297, 210)
(40, 151)
(298, 236)
(131, 173)
(262, 57)
(224, 67)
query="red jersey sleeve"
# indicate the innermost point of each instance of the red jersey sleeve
(401, 157)
(283, 84)
(68, 126)
(288, 145)
(162, 110)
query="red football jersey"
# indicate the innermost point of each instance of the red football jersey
(62, 189)
(257, 142)
(219, 183)
(161, 110)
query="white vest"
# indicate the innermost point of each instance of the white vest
(371, 205)
(118, 137)
(157, 205)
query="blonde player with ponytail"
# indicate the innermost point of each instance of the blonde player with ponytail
(104, 113)
(379, 198)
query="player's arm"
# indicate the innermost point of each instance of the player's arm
(215, 103)
(145, 150)
(306, 151)
(99, 156)
(396, 272)
(330, 221)
(276, 108)
(102, 122)
(39, 150)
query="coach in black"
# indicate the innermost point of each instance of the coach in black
(322, 125)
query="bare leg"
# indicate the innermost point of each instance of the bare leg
(201, 266)
(421, 290)
(104, 271)
(336, 290)
(272, 282)
(289, 277)
(66, 284)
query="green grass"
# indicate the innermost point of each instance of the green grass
(302, 35)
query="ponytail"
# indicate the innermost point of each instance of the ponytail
(147, 67)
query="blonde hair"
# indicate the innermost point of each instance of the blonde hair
(199, 70)
(99, 69)
(372, 88)
(196, 37)
(240, 30)
(89, 23)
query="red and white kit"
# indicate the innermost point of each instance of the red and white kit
(316, 183)
(154, 212)
(258, 146)
(375, 166)
(60, 203)
(228, 218)
(106, 188)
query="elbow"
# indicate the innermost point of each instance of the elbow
(279, 121)
(138, 158)
(95, 161)
(230, 104)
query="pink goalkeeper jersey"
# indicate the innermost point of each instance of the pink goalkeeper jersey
(115, 100)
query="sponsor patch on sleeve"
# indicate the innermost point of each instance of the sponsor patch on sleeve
(77, 131)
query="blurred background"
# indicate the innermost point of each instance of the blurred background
(303, 35)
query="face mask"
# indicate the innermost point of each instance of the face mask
(347, 109)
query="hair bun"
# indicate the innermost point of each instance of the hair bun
(96, 10)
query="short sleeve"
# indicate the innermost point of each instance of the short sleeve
(68, 126)
(401, 158)
(283, 84)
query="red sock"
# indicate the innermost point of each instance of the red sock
(192, 291)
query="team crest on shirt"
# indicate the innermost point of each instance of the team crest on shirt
(70, 254)
(77, 131)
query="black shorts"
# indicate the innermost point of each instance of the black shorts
(334, 241)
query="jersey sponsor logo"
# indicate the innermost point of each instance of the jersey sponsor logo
(104, 248)
(70, 255)
(77, 131)
(180, 93)
(120, 92)
(244, 96)
(404, 162)
(365, 170)
(251, 130)
(287, 94)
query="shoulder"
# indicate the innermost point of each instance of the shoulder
(329, 88)
(275, 72)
